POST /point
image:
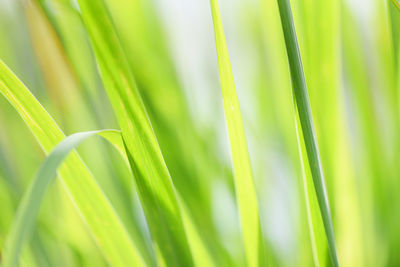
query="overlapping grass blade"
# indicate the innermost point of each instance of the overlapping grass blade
(30, 203)
(305, 117)
(56, 52)
(63, 14)
(244, 182)
(152, 178)
(164, 98)
(96, 211)
(201, 253)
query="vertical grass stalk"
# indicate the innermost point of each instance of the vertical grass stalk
(244, 182)
(155, 188)
(304, 112)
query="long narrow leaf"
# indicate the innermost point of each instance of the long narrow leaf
(30, 203)
(305, 116)
(96, 211)
(52, 51)
(244, 182)
(152, 177)
(319, 243)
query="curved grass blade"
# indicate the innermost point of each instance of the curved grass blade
(96, 211)
(29, 206)
(154, 184)
(244, 182)
(62, 59)
(304, 112)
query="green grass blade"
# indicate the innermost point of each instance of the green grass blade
(155, 188)
(201, 253)
(319, 243)
(96, 211)
(305, 116)
(29, 206)
(165, 101)
(244, 182)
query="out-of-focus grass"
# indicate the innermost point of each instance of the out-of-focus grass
(73, 60)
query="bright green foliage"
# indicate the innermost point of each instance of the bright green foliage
(195, 188)
(303, 110)
(30, 203)
(316, 228)
(151, 174)
(96, 210)
(244, 182)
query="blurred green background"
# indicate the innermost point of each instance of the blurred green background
(350, 52)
